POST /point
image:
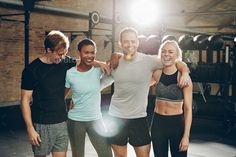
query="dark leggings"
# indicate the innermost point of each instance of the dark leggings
(165, 131)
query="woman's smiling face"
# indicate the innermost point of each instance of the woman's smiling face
(169, 54)
(87, 54)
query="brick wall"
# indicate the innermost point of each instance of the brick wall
(12, 39)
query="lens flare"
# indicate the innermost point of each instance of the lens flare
(144, 12)
(109, 127)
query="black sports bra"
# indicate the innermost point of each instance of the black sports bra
(167, 88)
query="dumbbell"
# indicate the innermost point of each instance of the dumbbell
(168, 37)
(186, 42)
(215, 43)
(142, 43)
(152, 45)
(200, 43)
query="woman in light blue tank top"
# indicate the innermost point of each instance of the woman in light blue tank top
(85, 116)
(173, 110)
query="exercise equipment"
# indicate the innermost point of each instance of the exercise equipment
(212, 73)
(149, 45)
(234, 72)
(200, 43)
(142, 43)
(95, 17)
(215, 42)
(28, 5)
(186, 42)
(152, 45)
(168, 37)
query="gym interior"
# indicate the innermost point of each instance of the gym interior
(205, 31)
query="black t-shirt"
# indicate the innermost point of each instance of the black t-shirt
(47, 82)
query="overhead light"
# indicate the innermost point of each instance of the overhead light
(144, 12)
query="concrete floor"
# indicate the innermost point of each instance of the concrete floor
(208, 139)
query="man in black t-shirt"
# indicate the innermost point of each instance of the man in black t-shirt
(44, 81)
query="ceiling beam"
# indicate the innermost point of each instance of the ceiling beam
(227, 23)
(184, 30)
(51, 10)
(203, 26)
(230, 22)
(205, 8)
(218, 27)
(227, 12)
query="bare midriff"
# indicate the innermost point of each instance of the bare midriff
(165, 107)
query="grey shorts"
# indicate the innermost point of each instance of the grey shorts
(54, 138)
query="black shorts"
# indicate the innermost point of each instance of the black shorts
(134, 131)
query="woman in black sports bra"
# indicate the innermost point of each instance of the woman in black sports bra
(173, 110)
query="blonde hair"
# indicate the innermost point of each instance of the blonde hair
(174, 43)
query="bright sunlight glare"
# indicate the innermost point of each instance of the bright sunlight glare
(109, 128)
(144, 12)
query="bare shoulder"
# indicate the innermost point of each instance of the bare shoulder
(157, 74)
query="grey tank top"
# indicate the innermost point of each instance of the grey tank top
(167, 88)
